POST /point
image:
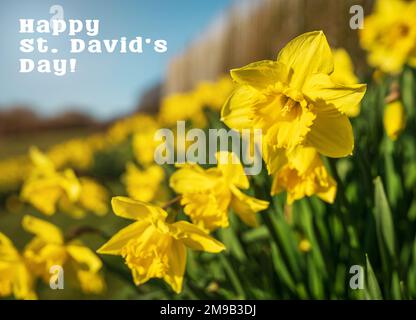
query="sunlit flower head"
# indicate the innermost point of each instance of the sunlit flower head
(93, 198)
(213, 94)
(389, 35)
(294, 101)
(46, 186)
(207, 195)
(48, 248)
(182, 106)
(152, 247)
(124, 128)
(143, 185)
(74, 153)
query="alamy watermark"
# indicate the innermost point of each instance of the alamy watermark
(357, 19)
(56, 280)
(199, 146)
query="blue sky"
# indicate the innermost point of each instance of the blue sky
(104, 85)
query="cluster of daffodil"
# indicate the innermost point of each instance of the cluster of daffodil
(19, 271)
(303, 101)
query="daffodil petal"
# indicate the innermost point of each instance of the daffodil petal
(331, 134)
(177, 264)
(23, 283)
(231, 168)
(39, 159)
(194, 237)
(42, 229)
(238, 110)
(8, 251)
(274, 157)
(190, 178)
(121, 238)
(260, 74)
(305, 55)
(301, 158)
(323, 91)
(136, 210)
(246, 207)
(84, 256)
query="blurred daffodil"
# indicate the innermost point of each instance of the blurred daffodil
(389, 35)
(304, 175)
(143, 185)
(394, 119)
(93, 198)
(125, 127)
(305, 246)
(152, 247)
(12, 172)
(144, 146)
(74, 153)
(208, 194)
(15, 276)
(213, 94)
(182, 106)
(45, 186)
(294, 101)
(48, 248)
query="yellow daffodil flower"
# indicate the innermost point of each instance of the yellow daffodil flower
(75, 153)
(182, 106)
(394, 119)
(208, 194)
(45, 186)
(125, 127)
(294, 101)
(93, 198)
(344, 74)
(144, 146)
(48, 248)
(143, 185)
(304, 175)
(213, 94)
(152, 247)
(12, 172)
(15, 276)
(389, 35)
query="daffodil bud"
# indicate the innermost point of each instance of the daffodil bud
(394, 119)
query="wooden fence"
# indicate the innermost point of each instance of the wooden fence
(256, 29)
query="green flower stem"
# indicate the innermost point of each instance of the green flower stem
(80, 231)
(232, 274)
(123, 274)
(344, 207)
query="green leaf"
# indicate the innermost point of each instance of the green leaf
(408, 85)
(372, 288)
(315, 280)
(384, 222)
(256, 234)
(281, 269)
(395, 286)
(231, 241)
(288, 245)
(393, 183)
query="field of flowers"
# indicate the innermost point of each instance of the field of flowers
(332, 215)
